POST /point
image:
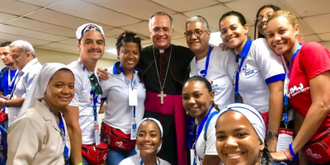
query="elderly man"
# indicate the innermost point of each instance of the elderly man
(29, 66)
(79, 115)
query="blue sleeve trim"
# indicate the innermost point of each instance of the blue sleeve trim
(275, 78)
(103, 99)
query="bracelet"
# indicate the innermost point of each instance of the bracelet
(287, 154)
(291, 151)
(81, 163)
(5, 103)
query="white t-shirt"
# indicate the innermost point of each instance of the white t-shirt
(118, 113)
(23, 85)
(136, 159)
(84, 100)
(221, 71)
(260, 67)
(209, 145)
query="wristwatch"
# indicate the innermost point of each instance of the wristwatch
(271, 134)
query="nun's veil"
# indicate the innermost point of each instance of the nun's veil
(40, 83)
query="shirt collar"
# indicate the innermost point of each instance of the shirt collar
(27, 66)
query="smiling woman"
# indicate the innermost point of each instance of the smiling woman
(260, 74)
(40, 130)
(148, 142)
(240, 133)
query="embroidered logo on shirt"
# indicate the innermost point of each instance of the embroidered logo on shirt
(248, 70)
(314, 155)
(297, 89)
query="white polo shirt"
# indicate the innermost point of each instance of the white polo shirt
(221, 71)
(209, 144)
(118, 113)
(84, 100)
(260, 68)
(23, 85)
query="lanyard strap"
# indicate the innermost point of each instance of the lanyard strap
(131, 84)
(203, 73)
(11, 80)
(286, 88)
(244, 53)
(66, 149)
(200, 127)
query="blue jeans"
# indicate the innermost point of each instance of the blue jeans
(84, 161)
(115, 157)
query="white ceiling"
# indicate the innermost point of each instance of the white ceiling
(51, 24)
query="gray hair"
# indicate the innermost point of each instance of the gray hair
(198, 18)
(161, 13)
(24, 46)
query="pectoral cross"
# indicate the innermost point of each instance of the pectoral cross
(161, 95)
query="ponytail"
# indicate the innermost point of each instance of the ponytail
(266, 158)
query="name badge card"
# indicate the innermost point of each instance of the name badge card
(132, 100)
(97, 134)
(133, 130)
(285, 137)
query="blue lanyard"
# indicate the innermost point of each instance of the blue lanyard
(133, 84)
(66, 149)
(94, 95)
(286, 99)
(141, 162)
(244, 53)
(204, 72)
(201, 125)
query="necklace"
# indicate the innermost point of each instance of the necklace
(161, 94)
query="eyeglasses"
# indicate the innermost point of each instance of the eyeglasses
(196, 32)
(159, 29)
(95, 84)
(261, 17)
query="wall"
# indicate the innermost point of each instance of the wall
(45, 56)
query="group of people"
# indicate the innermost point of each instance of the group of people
(235, 96)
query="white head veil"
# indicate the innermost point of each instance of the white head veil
(253, 116)
(159, 126)
(40, 83)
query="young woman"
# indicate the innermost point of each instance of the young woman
(259, 77)
(307, 89)
(148, 142)
(39, 134)
(197, 98)
(124, 95)
(240, 134)
(262, 16)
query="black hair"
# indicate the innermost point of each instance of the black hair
(4, 44)
(239, 15)
(207, 85)
(127, 37)
(275, 8)
(266, 158)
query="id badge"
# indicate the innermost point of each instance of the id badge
(97, 134)
(133, 130)
(132, 100)
(285, 137)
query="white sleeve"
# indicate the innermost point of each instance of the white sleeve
(128, 161)
(29, 79)
(193, 68)
(231, 65)
(78, 86)
(211, 138)
(105, 85)
(269, 63)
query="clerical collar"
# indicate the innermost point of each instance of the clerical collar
(161, 50)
